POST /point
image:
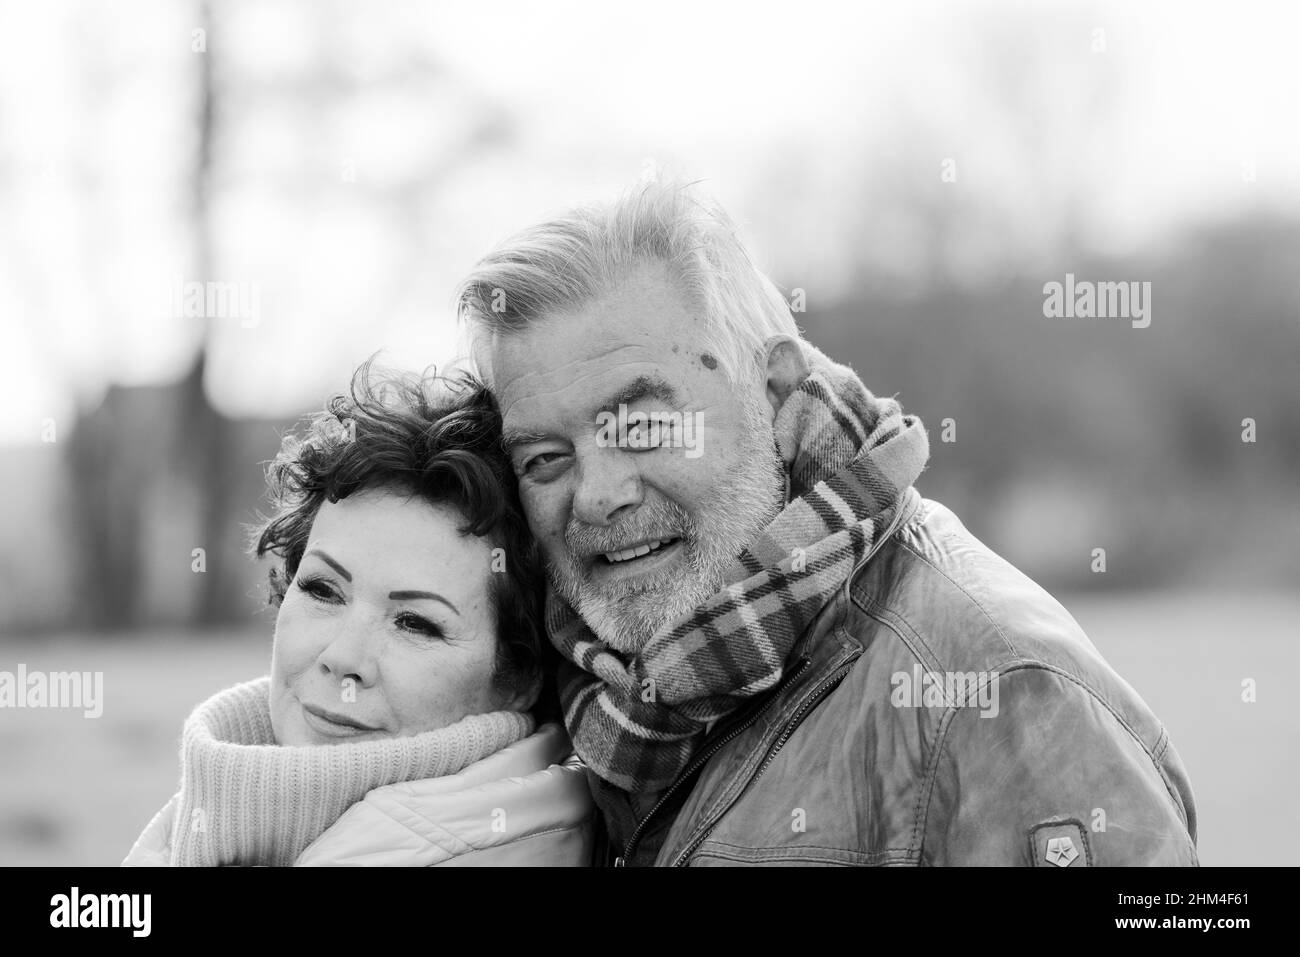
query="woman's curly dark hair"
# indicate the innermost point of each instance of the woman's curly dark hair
(437, 438)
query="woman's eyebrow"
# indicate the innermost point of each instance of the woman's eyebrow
(343, 572)
(410, 595)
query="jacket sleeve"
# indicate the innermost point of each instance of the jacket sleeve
(153, 847)
(1048, 775)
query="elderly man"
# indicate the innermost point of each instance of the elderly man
(775, 650)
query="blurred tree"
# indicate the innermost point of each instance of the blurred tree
(157, 471)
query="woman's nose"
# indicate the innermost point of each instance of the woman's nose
(352, 649)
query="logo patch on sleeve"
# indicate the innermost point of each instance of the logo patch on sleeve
(1059, 844)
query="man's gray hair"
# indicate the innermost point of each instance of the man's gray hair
(569, 261)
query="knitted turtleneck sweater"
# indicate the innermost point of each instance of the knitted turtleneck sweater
(245, 800)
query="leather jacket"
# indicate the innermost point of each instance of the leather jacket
(1047, 758)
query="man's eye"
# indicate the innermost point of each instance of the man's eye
(408, 621)
(541, 461)
(648, 435)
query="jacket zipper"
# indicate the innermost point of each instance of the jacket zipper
(827, 685)
(701, 760)
(822, 690)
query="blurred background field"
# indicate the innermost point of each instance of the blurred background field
(78, 791)
(915, 173)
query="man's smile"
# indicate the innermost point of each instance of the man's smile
(641, 558)
(637, 551)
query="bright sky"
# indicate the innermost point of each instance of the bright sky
(95, 135)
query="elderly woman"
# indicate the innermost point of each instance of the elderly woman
(404, 721)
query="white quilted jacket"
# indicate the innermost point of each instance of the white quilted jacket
(526, 805)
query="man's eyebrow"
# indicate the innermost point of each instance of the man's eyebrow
(642, 387)
(412, 595)
(343, 572)
(512, 438)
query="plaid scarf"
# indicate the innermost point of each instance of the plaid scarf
(849, 457)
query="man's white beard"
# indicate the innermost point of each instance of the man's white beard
(626, 615)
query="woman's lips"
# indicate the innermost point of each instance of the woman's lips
(333, 724)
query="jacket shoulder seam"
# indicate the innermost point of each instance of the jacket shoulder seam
(955, 584)
(1152, 753)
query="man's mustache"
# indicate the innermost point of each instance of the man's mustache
(664, 521)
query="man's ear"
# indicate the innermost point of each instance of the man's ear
(786, 368)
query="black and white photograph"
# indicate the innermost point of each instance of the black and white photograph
(691, 434)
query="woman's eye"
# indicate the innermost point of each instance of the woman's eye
(421, 626)
(317, 588)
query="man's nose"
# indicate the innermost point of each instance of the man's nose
(352, 650)
(609, 483)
